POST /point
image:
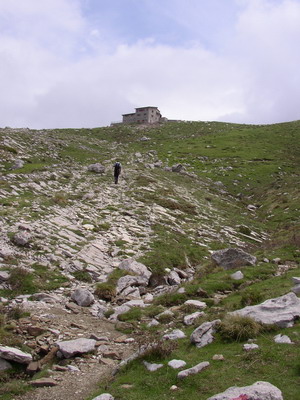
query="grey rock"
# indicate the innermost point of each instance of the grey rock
(177, 168)
(131, 292)
(281, 311)
(4, 365)
(237, 276)
(176, 364)
(173, 278)
(17, 164)
(13, 354)
(204, 334)
(152, 367)
(259, 390)
(97, 168)
(22, 239)
(191, 318)
(119, 311)
(70, 348)
(194, 370)
(296, 280)
(296, 289)
(42, 382)
(135, 267)
(46, 297)
(233, 258)
(130, 280)
(4, 276)
(135, 303)
(83, 297)
(154, 322)
(196, 303)
(104, 396)
(174, 335)
(282, 339)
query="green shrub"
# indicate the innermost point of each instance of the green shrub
(170, 299)
(251, 296)
(134, 314)
(21, 281)
(153, 310)
(238, 328)
(83, 276)
(105, 291)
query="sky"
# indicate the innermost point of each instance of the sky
(84, 63)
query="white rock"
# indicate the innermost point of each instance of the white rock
(204, 334)
(238, 275)
(281, 311)
(104, 396)
(282, 339)
(259, 390)
(174, 335)
(173, 278)
(218, 357)
(173, 388)
(152, 367)
(196, 303)
(194, 370)
(13, 354)
(191, 318)
(135, 267)
(70, 348)
(135, 303)
(148, 298)
(177, 364)
(250, 346)
(154, 322)
(83, 297)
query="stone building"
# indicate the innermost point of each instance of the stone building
(143, 115)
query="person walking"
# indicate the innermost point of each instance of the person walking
(117, 171)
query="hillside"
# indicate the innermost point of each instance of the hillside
(187, 189)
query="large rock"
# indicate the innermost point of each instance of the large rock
(173, 278)
(83, 297)
(233, 258)
(12, 354)
(204, 334)
(259, 390)
(97, 168)
(194, 370)
(22, 238)
(135, 267)
(281, 311)
(130, 280)
(70, 348)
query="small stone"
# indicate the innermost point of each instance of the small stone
(282, 339)
(44, 382)
(191, 318)
(218, 357)
(250, 346)
(177, 364)
(237, 276)
(194, 370)
(196, 303)
(104, 396)
(174, 388)
(152, 367)
(174, 335)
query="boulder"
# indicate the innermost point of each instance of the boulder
(237, 276)
(83, 297)
(194, 370)
(174, 335)
(130, 280)
(12, 354)
(281, 311)
(203, 335)
(173, 278)
(22, 238)
(259, 390)
(97, 168)
(135, 267)
(233, 258)
(70, 348)
(282, 339)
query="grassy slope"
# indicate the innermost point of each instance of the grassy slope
(257, 165)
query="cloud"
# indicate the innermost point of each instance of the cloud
(59, 68)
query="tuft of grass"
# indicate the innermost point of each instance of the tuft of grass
(239, 328)
(105, 291)
(134, 314)
(83, 276)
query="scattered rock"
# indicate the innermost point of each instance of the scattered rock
(129, 280)
(250, 346)
(70, 348)
(237, 276)
(174, 388)
(12, 354)
(218, 357)
(33, 367)
(43, 382)
(194, 370)
(191, 318)
(233, 258)
(135, 267)
(17, 164)
(97, 168)
(104, 396)
(282, 339)
(177, 168)
(4, 276)
(177, 364)
(4, 365)
(173, 278)
(83, 297)
(152, 367)
(259, 390)
(281, 311)
(22, 239)
(203, 335)
(174, 335)
(196, 303)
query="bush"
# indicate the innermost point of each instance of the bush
(170, 299)
(21, 281)
(105, 291)
(238, 328)
(134, 314)
(250, 297)
(83, 276)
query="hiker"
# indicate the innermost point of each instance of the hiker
(117, 171)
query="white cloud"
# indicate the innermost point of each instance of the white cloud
(56, 70)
